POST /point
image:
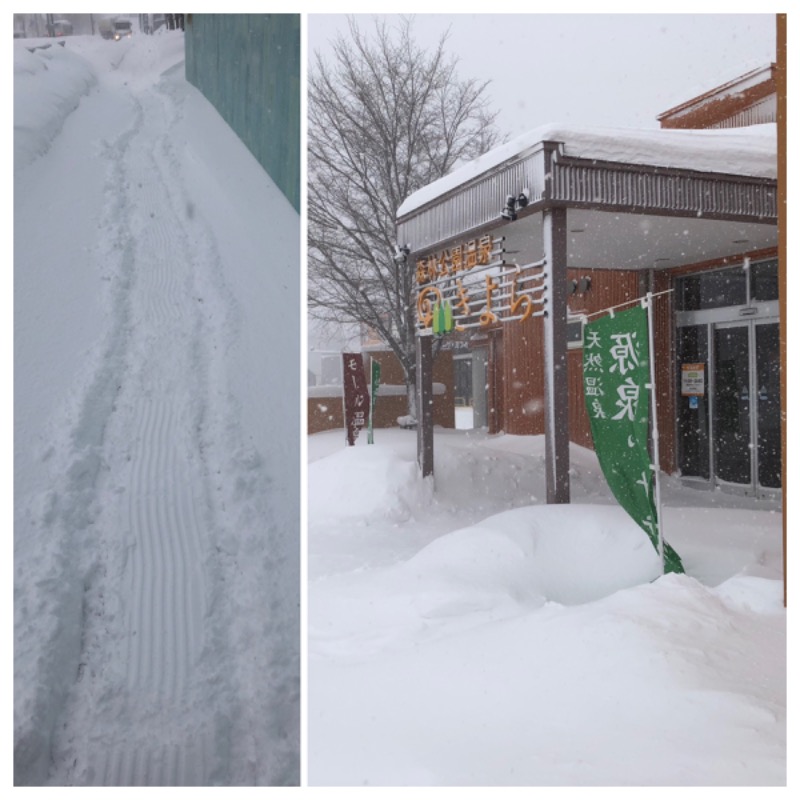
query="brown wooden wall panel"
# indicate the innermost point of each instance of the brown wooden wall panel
(524, 378)
(496, 377)
(325, 414)
(716, 112)
(523, 367)
(608, 288)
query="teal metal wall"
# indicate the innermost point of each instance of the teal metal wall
(248, 66)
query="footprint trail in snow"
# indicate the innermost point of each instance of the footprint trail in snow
(162, 488)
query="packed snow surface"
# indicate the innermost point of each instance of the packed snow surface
(739, 151)
(467, 634)
(156, 542)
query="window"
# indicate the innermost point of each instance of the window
(575, 331)
(735, 286)
(764, 281)
(726, 287)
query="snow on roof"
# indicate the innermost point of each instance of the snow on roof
(747, 151)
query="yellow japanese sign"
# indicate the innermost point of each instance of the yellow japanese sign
(461, 258)
(471, 286)
(693, 382)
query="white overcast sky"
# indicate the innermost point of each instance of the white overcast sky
(611, 70)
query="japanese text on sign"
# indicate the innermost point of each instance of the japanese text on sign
(471, 286)
(693, 380)
(356, 396)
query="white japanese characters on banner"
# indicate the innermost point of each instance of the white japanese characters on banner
(356, 396)
(615, 385)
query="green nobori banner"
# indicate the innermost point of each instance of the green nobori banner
(375, 385)
(616, 374)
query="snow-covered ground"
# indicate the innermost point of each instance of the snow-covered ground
(474, 636)
(156, 430)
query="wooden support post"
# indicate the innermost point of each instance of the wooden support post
(556, 403)
(425, 404)
(781, 86)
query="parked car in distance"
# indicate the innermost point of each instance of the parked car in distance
(61, 27)
(122, 29)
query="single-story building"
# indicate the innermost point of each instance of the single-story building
(526, 243)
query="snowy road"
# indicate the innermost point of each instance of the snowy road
(156, 599)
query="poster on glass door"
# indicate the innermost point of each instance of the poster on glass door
(693, 380)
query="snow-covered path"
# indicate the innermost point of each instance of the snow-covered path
(157, 637)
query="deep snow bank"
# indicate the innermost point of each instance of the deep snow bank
(43, 101)
(659, 685)
(569, 554)
(450, 644)
(500, 567)
(358, 482)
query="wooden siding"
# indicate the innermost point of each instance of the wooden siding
(523, 365)
(580, 430)
(731, 106)
(497, 382)
(523, 377)
(608, 288)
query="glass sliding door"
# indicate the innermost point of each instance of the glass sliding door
(746, 409)
(728, 404)
(693, 430)
(768, 391)
(731, 415)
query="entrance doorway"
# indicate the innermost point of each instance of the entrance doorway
(729, 425)
(746, 405)
(728, 354)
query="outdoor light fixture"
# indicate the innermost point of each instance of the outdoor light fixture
(579, 287)
(401, 253)
(509, 211)
(513, 204)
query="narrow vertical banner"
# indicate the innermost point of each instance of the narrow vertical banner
(356, 396)
(616, 376)
(375, 383)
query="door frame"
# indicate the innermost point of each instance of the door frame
(751, 487)
(751, 316)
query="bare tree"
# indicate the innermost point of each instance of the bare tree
(385, 118)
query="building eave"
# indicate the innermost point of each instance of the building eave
(552, 179)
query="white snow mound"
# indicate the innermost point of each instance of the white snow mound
(362, 482)
(569, 554)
